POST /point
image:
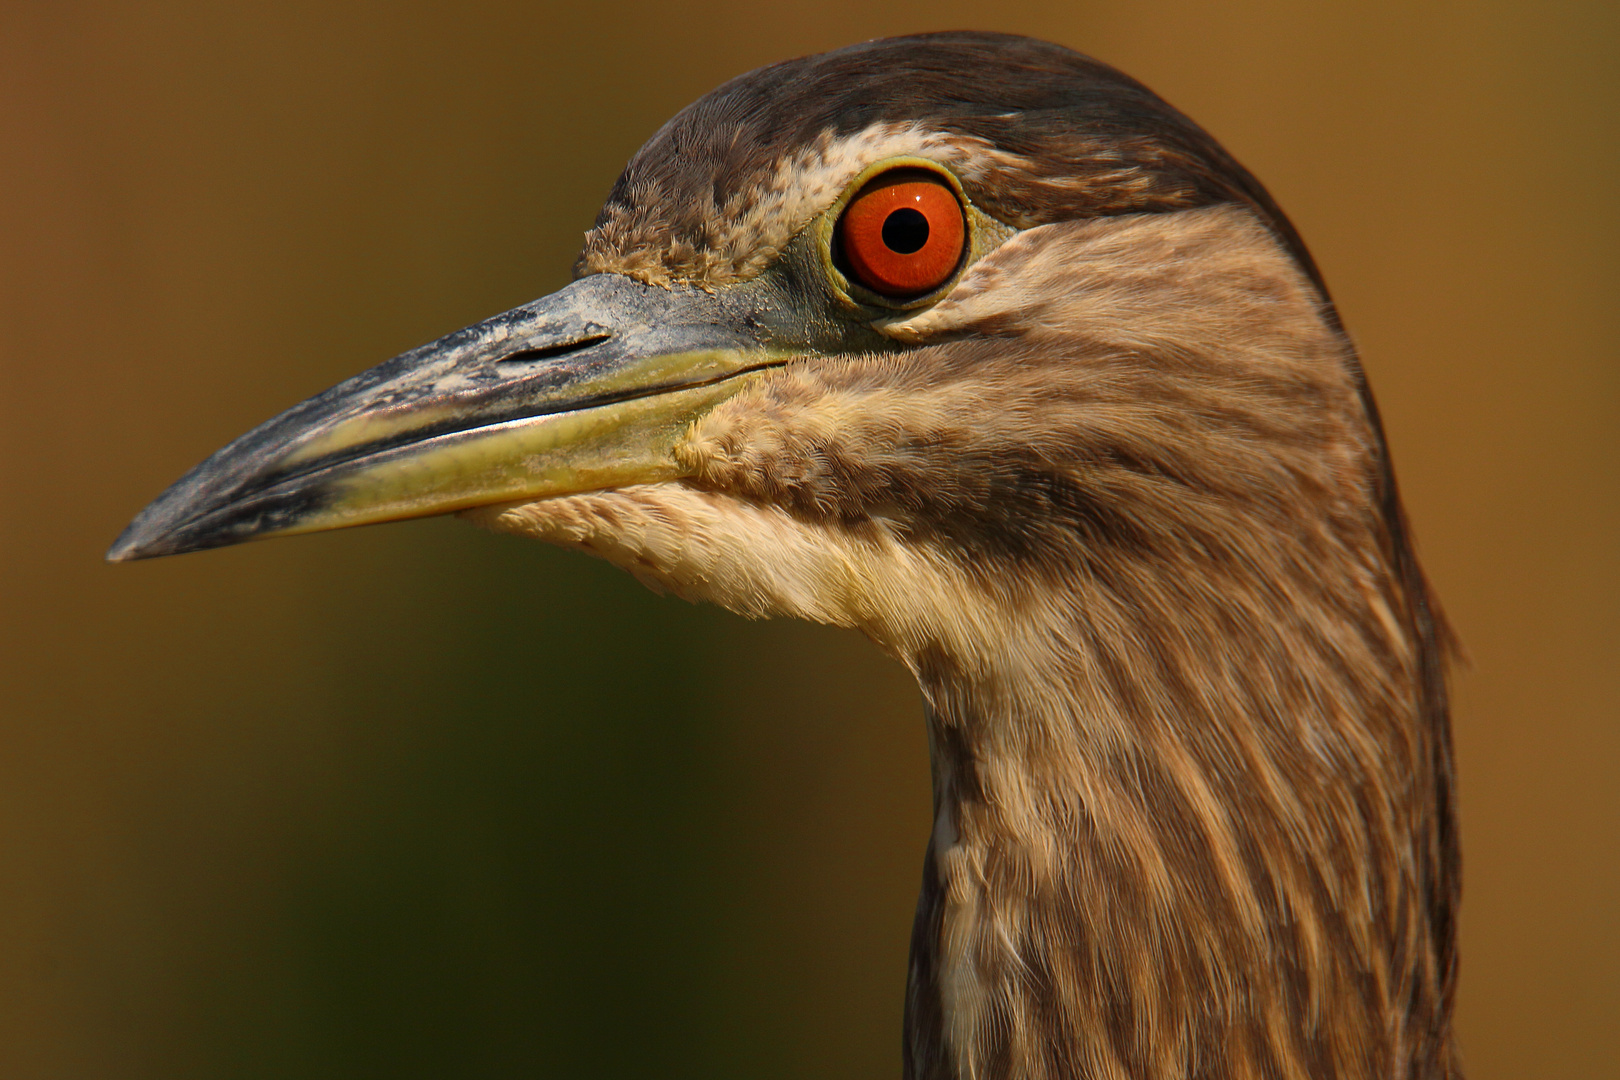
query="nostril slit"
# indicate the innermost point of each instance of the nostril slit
(546, 352)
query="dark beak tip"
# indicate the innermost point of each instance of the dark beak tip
(132, 545)
(135, 545)
(159, 529)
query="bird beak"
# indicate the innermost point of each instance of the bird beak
(585, 389)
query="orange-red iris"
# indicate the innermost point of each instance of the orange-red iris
(903, 234)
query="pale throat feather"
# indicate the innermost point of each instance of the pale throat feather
(1175, 725)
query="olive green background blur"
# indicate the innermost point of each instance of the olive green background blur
(417, 801)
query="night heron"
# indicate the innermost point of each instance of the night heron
(977, 345)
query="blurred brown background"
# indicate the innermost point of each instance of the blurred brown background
(423, 802)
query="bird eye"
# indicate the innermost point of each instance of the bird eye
(903, 233)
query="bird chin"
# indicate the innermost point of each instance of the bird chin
(700, 545)
(760, 561)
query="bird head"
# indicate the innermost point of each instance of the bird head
(875, 338)
(975, 344)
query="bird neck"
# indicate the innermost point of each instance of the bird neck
(1188, 836)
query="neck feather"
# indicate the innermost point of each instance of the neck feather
(1201, 830)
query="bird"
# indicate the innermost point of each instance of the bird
(975, 344)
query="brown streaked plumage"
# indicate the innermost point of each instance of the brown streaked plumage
(1117, 495)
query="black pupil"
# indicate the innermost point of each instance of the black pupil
(905, 231)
